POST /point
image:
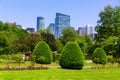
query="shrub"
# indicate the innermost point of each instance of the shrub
(42, 53)
(110, 59)
(18, 58)
(99, 56)
(71, 56)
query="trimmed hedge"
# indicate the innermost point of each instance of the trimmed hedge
(42, 53)
(71, 56)
(99, 56)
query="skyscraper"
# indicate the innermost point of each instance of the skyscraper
(81, 31)
(61, 21)
(89, 29)
(52, 28)
(40, 23)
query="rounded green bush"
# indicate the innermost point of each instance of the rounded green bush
(42, 53)
(71, 56)
(99, 56)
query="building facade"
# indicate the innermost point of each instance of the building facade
(40, 23)
(61, 21)
(52, 28)
(89, 30)
(81, 31)
(31, 30)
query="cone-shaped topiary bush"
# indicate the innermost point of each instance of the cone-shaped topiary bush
(42, 53)
(71, 56)
(99, 56)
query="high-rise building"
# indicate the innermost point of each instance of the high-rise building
(31, 30)
(61, 21)
(52, 28)
(40, 23)
(81, 31)
(89, 30)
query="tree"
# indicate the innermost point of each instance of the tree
(71, 56)
(59, 45)
(82, 43)
(18, 58)
(99, 56)
(4, 45)
(49, 38)
(1, 25)
(68, 34)
(108, 26)
(12, 27)
(12, 34)
(27, 45)
(33, 40)
(109, 45)
(90, 45)
(21, 46)
(42, 53)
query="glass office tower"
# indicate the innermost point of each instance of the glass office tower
(52, 28)
(40, 23)
(61, 21)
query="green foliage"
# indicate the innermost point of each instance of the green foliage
(10, 33)
(4, 45)
(68, 34)
(12, 27)
(59, 45)
(18, 58)
(71, 56)
(108, 30)
(48, 37)
(109, 45)
(27, 45)
(42, 53)
(82, 43)
(99, 56)
(1, 25)
(110, 59)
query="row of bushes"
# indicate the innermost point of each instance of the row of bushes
(71, 56)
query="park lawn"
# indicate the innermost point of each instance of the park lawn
(61, 74)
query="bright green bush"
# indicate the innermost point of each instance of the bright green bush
(18, 58)
(71, 56)
(42, 53)
(99, 56)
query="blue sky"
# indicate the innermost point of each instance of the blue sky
(24, 12)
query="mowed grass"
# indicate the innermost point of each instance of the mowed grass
(61, 74)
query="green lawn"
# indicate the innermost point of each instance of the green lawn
(61, 74)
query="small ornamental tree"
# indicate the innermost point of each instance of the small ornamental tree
(18, 58)
(71, 56)
(42, 53)
(99, 56)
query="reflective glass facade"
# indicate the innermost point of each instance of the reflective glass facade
(61, 21)
(40, 23)
(52, 28)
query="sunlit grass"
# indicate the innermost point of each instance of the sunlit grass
(61, 74)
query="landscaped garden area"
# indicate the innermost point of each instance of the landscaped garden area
(39, 56)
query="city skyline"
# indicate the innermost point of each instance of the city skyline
(24, 12)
